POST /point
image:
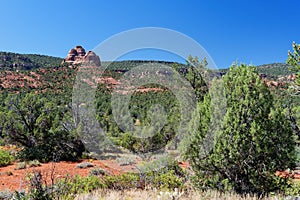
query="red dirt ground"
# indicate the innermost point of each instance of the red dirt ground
(17, 179)
(13, 179)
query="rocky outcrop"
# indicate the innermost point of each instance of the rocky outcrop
(78, 55)
(91, 57)
(80, 51)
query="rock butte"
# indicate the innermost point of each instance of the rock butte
(78, 55)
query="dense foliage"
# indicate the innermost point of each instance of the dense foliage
(253, 142)
(41, 127)
(5, 158)
(294, 61)
(14, 61)
(273, 71)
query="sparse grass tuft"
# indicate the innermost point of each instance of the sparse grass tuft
(84, 165)
(21, 165)
(98, 171)
(123, 161)
(34, 163)
(6, 194)
(9, 173)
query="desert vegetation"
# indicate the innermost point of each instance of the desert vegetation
(252, 132)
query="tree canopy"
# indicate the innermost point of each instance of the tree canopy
(253, 142)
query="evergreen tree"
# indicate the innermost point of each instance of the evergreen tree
(41, 127)
(196, 71)
(294, 61)
(294, 89)
(253, 142)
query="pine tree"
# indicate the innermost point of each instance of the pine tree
(253, 141)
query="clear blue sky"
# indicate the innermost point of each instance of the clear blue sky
(249, 31)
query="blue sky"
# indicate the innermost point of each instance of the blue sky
(248, 31)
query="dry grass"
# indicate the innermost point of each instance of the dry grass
(157, 195)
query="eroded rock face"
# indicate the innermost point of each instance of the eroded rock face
(80, 51)
(91, 57)
(78, 55)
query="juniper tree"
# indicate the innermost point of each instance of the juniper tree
(40, 127)
(254, 141)
(294, 89)
(294, 61)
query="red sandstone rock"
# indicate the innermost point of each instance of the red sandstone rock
(78, 55)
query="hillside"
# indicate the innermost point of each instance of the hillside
(15, 61)
(40, 73)
(272, 71)
(275, 69)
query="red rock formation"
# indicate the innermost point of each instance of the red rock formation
(91, 57)
(78, 55)
(80, 50)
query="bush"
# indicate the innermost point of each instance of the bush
(168, 180)
(98, 171)
(68, 188)
(34, 163)
(6, 194)
(253, 141)
(20, 165)
(292, 189)
(45, 130)
(84, 165)
(123, 161)
(38, 189)
(122, 182)
(5, 158)
(165, 174)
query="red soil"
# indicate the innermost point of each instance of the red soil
(13, 179)
(293, 174)
(17, 179)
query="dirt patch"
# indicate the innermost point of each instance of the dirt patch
(13, 179)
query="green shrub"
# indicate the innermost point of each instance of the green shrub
(68, 188)
(34, 163)
(167, 180)
(123, 161)
(293, 188)
(122, 182)
(252, 141)
(49, 134)
(169, 176)
(6, 194)
(38, 189)
(165, 173)
(84, 165)
(34, 153)
(98, 171)
(5, 158)
(21, 165)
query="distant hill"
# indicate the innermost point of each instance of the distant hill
(275, 70)
(127, 65)
(15, 61)
(22, 72)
